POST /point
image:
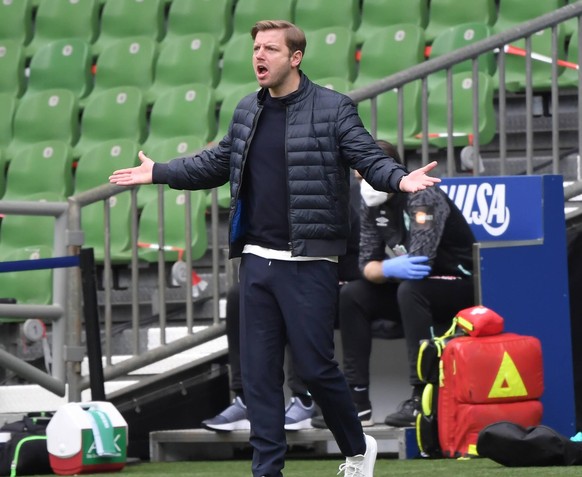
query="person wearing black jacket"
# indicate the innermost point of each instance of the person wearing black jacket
(287, 155)
(416, 258)
(301, 408)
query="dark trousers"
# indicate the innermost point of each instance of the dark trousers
(418, 304)
(233, 337)
(296, 303)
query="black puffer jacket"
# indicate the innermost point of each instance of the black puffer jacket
(325, 137)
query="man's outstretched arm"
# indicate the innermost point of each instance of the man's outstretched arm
(418, 179)
(141, 174)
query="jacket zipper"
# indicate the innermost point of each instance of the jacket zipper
(287, 177)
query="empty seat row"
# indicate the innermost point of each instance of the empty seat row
(136, 62)
(188, 110)
(147, 18)
(100, 22)
(67, 64)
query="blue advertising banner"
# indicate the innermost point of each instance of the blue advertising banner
(499, 208)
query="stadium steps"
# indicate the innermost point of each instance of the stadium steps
(16, 400)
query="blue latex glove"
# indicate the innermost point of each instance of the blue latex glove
(406, 267)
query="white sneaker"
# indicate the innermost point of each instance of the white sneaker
(361, 465)
(297, 416)
(233, 418)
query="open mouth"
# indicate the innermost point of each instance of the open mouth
(262, 71)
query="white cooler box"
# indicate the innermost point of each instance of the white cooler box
(87, 438)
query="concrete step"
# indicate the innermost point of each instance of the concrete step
(187, 444)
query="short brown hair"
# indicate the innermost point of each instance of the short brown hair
(294, 36)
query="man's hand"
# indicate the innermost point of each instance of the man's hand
(405, 267)
(141, 174)
(418, 180)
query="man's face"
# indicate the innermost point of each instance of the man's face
(275, 66)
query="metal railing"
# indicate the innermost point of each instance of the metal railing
(58, 313)
(66, 312)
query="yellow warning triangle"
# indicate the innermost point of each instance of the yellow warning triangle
(508, 382)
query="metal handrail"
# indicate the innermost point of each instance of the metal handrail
(471, 52)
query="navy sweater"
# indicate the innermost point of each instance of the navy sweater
(264, 191)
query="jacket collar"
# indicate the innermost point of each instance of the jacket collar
(305, 85)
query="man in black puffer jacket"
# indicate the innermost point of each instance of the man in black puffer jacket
(287, 156)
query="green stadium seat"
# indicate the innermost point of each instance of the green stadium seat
(341, 85)
(64, 19)
(331, 52)
(185, 60)
(187, 110)
(174, 226)
(12, 232)
(379, 14)
(448, 13)
(16, 245)
(316, 14)
(190, 17)
(388, 117)
(97, 164)
(463, 111)
(8, 104)
(541, 44)
(41, 170)
(248, 12)
(513, 12)
(16, 21)
(570, 75)
(64, 64)
(228, 106)
(457, 37)
(93, 170)
(126, 62)
(44, 116)
(17, 285)
(388, 51)
(116, 113)
(237, 67)
(165, 151)
(177, 146)
(12, 61)
(130, 19)
(94, 229)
